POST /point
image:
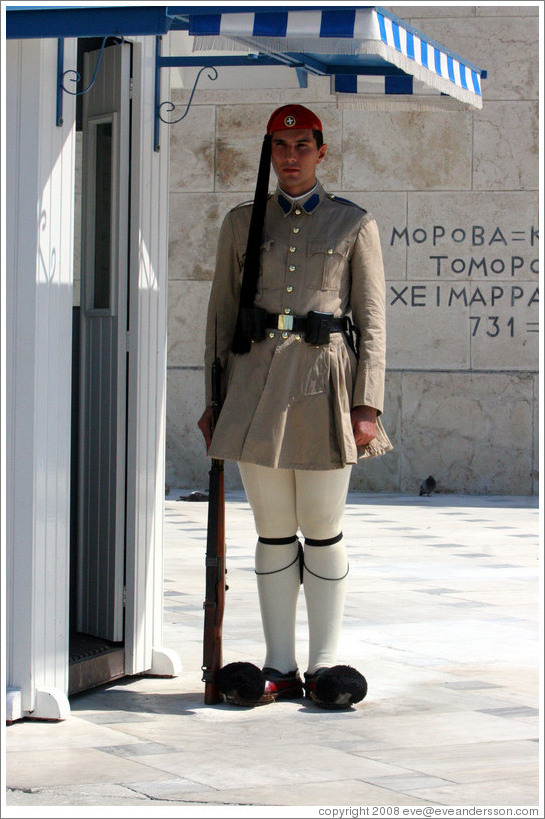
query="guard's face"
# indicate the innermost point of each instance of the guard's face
(295, 157)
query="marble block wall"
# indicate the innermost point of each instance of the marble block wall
(455, 195)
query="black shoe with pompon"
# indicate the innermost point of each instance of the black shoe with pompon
(340, 686)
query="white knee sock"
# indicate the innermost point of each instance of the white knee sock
(278, 583)
(325, 601)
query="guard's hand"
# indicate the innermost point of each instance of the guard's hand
(206, 425)
(364, 424)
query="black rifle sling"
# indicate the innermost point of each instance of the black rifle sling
(242, 337)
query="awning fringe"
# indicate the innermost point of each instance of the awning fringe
(327, 45)
(399, 103)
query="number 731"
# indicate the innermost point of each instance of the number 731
(491, 325)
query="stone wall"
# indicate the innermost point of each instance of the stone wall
(456, 198)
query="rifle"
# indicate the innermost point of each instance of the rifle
(214, 603)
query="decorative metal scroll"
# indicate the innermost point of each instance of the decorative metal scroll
(77, 78)
(169, 106)
(61, 74)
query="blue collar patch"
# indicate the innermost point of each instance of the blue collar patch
(311, 203)
(284, 203)
(308, 206)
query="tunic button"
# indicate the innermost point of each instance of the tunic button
(330, 251)
(298, 337)
(296, 230)
(287, 311)
(292, 268)
(293, 249)
(271, 335)
(284, 335)
(289, 288)
(298, 212)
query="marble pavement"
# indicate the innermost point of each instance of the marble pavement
(443, 618)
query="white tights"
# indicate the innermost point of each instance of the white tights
(285, 501)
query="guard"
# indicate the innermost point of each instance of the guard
(297, 318)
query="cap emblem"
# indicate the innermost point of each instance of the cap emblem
(293, 116)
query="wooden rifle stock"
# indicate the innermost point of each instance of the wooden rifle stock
(214, 603)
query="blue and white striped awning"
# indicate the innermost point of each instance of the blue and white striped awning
(374, 59)
(366, 50)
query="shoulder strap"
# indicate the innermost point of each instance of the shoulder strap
(344, 201)
(241, 340)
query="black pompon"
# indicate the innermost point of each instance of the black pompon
(241, 681)
(340, 686)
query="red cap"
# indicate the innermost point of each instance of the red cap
(293, 116)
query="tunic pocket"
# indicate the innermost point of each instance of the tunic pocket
(327, 260)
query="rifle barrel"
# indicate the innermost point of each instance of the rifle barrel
(214, 603)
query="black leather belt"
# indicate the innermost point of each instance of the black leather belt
(301, 324)
(316, 326)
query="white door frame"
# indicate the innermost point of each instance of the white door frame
(147, 344)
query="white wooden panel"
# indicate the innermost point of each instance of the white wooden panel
(40, 188)
(147, 376)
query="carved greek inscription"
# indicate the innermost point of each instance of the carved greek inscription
(506, 310)
(470, 294)
(474, 251)
(424, 295)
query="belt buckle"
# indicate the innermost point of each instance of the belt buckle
(285, 322)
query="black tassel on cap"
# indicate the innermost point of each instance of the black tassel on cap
(242, 338)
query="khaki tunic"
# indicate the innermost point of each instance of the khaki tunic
(287, 403)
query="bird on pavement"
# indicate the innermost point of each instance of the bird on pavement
(428, 486)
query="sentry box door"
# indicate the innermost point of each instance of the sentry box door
(104, 356)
